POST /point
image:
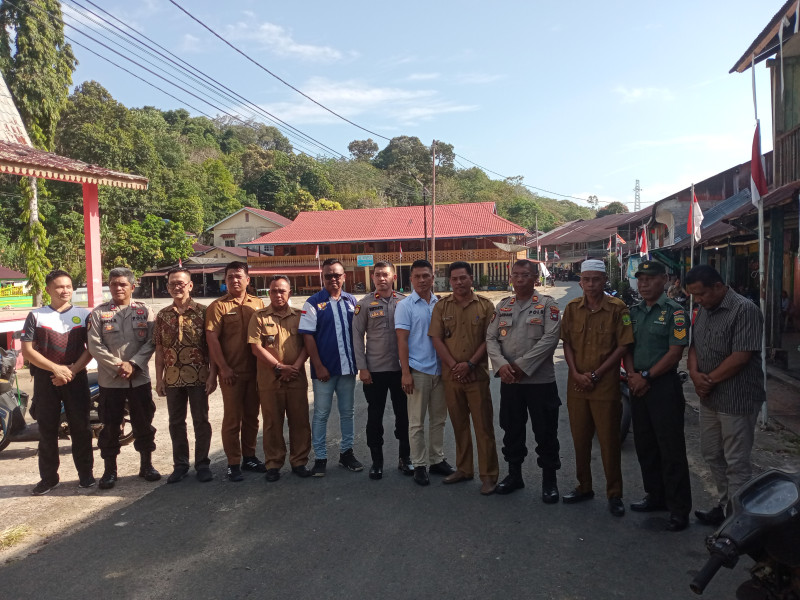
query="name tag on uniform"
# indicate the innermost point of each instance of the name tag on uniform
(535, 321)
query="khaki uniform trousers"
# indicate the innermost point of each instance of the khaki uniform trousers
(239, 418)
(473, 399)
(428, 398)
(292, 402)
(602, 415)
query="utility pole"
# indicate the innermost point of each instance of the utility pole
(433, 213)
(637, 199)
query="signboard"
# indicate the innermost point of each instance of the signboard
(365, 260)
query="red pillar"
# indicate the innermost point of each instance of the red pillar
(91, 231)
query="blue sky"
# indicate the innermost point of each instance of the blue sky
(579, 98)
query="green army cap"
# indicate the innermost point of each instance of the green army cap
(651, 267)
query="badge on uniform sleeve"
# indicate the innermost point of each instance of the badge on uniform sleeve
(510, 302)
(554, 313)
(76, 320)
(679, 333)
(358, 308)
(535, 299)
(680, 320)
(140, 312)
(626, 319)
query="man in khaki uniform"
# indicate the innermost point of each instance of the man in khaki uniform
(597, 331)
(227, 320)
(521, 340)
(282, 384)
(121, 340)
(378, 364)
(458, 331)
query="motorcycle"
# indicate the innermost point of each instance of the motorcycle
(764, 523)
(14, 405)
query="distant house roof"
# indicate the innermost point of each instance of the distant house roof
(264, 214)
(592, 230)
(767, 41)
(6, 273)
(477, 219)
(713, 225)
(231, 249)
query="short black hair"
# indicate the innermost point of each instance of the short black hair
(55, 274)
(384, 264)
(421, 264)
(528, 264)
(235, 266)
(705, 274)
(460, 264)
(280, 277)
(331, 261)
(174, 270)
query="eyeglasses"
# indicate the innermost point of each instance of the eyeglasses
(178, 284)
(336, 276)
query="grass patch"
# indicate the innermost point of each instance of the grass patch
(13, 536)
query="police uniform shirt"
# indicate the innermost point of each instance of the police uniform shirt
(526, 334)
(593, 336)
(463, 328)
(230, 320)
(655, 329)
(121, 334)
(279, 335)
(374, 316)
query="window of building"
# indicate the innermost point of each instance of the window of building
(246, 217)
(230, 243)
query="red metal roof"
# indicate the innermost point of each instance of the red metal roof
(282, 270)
(592, 230)
(477, 219)
(6, 273)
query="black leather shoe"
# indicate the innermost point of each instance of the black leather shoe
(178, 474)
(511, 483)
(421, 476)
(549, 493)
(108, 480)
(376, 471)
(713, 517)
(301, 471)
(576, 496)
(616, 507)
(404, 466)
(677, 522)
(149, 473)
(442, 468)
(273, 475)
(648, 504)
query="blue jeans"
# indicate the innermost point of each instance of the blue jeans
(344, 386)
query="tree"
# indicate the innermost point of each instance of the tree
(139, 245)
(613, 208)
(363, 150)
(38, 67)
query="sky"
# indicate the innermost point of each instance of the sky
(580, 98)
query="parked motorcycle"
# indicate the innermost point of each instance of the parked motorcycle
(14, 405)
(764, 523)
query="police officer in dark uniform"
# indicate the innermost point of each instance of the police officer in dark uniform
(661, 332)
(379, 367)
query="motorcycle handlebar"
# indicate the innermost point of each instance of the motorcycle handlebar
(706, 574)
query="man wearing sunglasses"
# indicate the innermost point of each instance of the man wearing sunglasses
(326, 324)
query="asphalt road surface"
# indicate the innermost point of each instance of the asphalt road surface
(345, 536)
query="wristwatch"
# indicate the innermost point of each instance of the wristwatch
(645, 375)
(471, 365)
(277, 369)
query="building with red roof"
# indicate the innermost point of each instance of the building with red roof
(400, 235)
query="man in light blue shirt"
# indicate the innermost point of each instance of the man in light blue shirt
(421, 375)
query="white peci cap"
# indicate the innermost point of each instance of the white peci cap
(593, 264)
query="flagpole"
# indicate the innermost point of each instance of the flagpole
(691, 262)
(763, 298)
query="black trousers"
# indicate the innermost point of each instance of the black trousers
(661, 445)
(77, 401)
(112, 412)
(196, 397)
(541, 402)
(375, 393)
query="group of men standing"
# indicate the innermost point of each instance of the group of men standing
(430, 356)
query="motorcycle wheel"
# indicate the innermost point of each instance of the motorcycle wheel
(625, 423)
(126, 430)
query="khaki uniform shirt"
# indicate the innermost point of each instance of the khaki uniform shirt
(593, 336)
(463, 329)
(655, 329)
(526, 334)
(183, 339)
(121, 334)
(374, 316)
(230, 320)
(277, 334)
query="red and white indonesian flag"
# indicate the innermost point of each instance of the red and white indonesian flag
(758, 181)
(608, 248)
(643, 243)
(556, 255)
(695, 219)
(620, 240)
(401, 252)
(317, 254)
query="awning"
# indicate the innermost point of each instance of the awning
(192, 270)
(283, 270)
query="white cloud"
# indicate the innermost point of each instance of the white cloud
(630, 95)
(280, 41)
(354, 98)
(423, 76)
(190, 43)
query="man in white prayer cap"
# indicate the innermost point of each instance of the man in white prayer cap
(597, 331)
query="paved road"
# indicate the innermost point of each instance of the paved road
(346, 536)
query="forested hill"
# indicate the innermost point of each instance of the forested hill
(201, 170)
